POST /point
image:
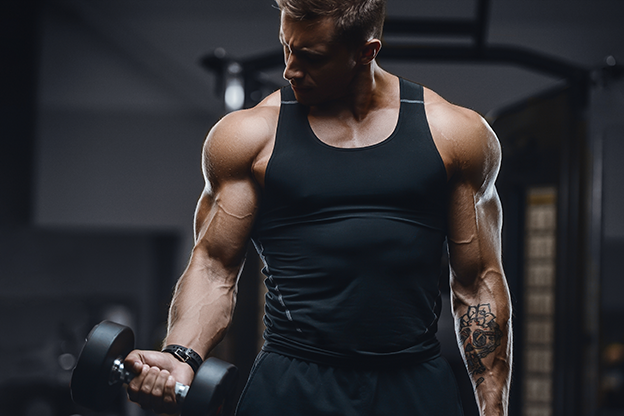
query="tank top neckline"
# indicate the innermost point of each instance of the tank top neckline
(383, 142)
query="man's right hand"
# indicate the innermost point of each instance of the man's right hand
(156, 374)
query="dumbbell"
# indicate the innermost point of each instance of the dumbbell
(100, 372)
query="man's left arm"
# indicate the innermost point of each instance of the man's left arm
(480, 296)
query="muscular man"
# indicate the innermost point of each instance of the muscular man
(348, 182)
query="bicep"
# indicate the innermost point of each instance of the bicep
(475, 213)
(227, 208)
(474, 236)
(224, 219)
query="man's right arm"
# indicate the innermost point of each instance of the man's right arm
(205, 295)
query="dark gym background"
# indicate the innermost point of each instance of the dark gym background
(104, 110)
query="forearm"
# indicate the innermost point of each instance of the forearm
(202, 306)
(483, 323)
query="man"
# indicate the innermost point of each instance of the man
(348, 182)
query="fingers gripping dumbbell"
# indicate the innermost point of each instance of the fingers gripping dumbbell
(100, 372)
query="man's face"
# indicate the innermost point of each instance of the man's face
(318, 68)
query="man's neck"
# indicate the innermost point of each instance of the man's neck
(371, 89)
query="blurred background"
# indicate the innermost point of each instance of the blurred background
(105, 105)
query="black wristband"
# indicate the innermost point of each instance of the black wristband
(186, 355)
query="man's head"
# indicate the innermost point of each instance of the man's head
(327, 43)
(356, 21)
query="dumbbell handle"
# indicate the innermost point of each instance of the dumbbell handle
(120, 374)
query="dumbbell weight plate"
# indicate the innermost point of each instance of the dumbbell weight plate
(213, 389)
(90, 386)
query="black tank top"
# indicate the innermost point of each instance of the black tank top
(352, 240)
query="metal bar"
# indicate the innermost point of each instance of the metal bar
(445, 53)
(483, 12)
(451, 27)
(475, 29)
(591, 301)
(491, 54)
(535, 61)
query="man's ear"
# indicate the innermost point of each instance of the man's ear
(370, 51)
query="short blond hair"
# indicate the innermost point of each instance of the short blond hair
(357, 21)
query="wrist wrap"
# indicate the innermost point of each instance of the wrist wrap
(186, 355)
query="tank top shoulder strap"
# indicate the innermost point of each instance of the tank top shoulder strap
(411, 92)
(293, 116)
(288, 96)
(290, 107)
(415, 121)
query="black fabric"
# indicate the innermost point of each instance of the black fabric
(284, 386)
(186, 355)
(352, 241)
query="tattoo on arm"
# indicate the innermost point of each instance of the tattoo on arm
(479, 336)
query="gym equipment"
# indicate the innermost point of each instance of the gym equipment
(100, 372)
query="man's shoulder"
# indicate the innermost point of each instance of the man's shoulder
(247, 129)
(463, 137)
(253, 124)
(442, 113)
(238, 139)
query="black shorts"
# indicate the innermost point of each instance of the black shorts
(284, 386)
